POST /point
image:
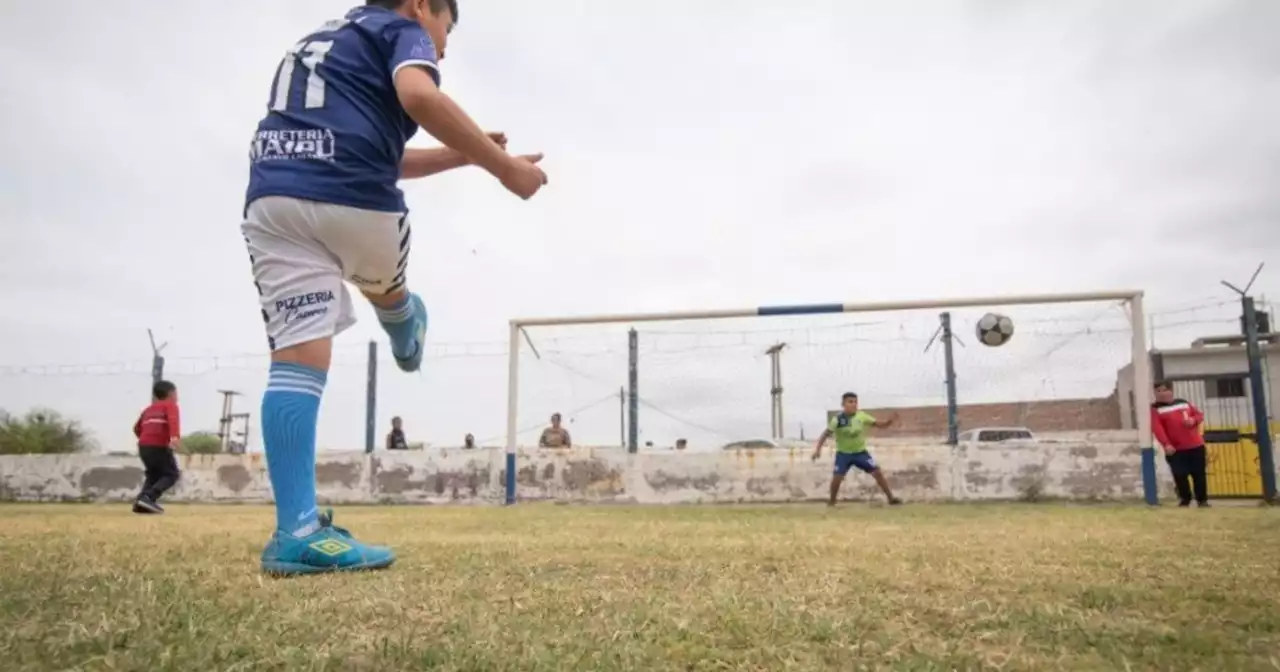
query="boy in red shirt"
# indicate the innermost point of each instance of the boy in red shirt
(158, 431)
(1176, 425)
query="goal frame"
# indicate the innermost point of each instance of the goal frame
(1142, 389)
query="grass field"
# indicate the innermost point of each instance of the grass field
(539, 587)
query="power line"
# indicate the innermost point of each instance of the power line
(538, 425)
(679, 419)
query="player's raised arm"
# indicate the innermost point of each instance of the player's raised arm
(418, 163)
(445, 120)
(888, 422)
(427, 162)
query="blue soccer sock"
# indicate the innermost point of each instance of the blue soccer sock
(289, 410)
(397, 321)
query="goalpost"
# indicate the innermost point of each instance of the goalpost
(1132, 350)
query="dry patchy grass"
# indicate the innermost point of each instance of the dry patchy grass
(1014, 587)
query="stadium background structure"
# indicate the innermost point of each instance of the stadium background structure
(1132, 298)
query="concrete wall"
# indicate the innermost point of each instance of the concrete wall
(1088, 466)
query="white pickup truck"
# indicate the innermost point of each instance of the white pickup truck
(996, 434)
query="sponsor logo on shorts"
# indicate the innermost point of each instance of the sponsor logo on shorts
(314, 144)
(304, 306)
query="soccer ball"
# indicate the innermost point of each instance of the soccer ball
(995, 329)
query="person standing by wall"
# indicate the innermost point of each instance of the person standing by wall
(395, 438)
(555, 436)
(1176, 424)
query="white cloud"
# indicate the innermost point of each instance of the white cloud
(700, 156)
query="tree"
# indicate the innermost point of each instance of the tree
(200, 443)
(42, 432)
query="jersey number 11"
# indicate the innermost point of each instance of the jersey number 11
(311, 55)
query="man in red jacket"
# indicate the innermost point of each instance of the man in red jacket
(1176, 424)
(158, 432)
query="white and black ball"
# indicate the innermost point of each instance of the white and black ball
(995, 329)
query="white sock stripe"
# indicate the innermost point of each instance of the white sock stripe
(290, 385)
(396, 315)
(406, 308)
(294, 376)
(300, 390)
(296, 382)
(312, 374)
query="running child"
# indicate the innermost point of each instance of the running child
(158, 430)
(849, 428)
(323, 209)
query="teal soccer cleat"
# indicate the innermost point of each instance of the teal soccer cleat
(328, 549)
(414, 361)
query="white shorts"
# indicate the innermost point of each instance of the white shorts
(302, 251)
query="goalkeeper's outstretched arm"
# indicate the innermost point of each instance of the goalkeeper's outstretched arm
(822, 440)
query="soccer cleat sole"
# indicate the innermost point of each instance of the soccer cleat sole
(284, 569)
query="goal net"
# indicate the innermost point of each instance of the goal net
(711, 380)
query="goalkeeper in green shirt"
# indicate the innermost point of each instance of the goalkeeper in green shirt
(849, 428)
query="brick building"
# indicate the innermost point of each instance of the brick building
(1058, 415)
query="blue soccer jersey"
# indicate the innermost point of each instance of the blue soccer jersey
(335, 131)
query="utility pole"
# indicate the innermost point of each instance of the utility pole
(228, 417)
(775, 390)
(1257, 389)
(633, 383)
(157, 360)
(371, 398)
(945, 334)
(241, 447)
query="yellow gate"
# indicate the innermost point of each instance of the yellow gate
(1233, 468)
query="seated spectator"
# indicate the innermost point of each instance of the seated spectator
(555, 436)
(469, 443)
(395, 439)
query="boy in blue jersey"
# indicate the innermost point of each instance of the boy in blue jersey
(323, 210)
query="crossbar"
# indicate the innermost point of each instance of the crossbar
(828, 308)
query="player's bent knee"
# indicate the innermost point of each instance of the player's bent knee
(316, 353)
(389, 299)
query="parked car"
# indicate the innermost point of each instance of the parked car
(765, 444)
(752, 444)
(996, 435)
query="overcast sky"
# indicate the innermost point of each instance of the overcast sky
(701, 155)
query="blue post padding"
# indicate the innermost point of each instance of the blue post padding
(511, 478)
(1149, 489)
(811, 309)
